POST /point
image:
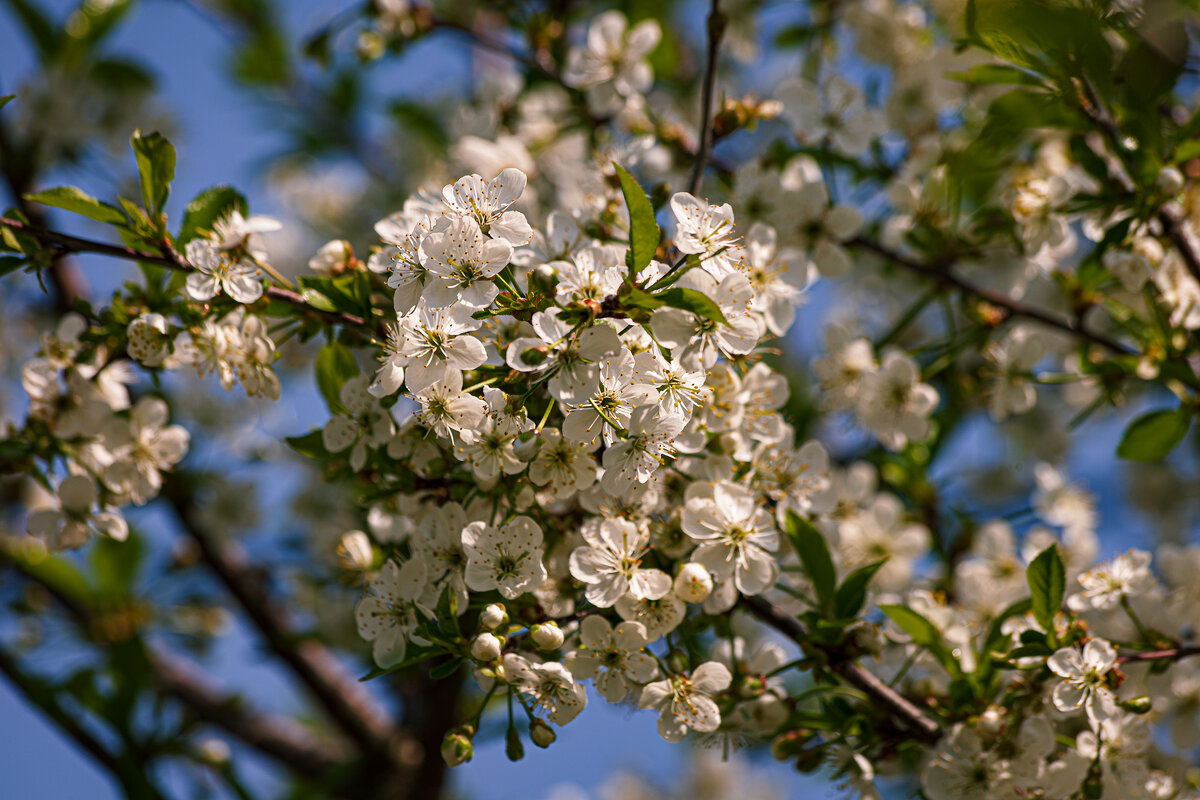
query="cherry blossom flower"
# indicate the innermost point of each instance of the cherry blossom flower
(1084, 678)
(550, 685)
(610, 563)
(613, 658)
(508, 559)
(737, 537)
(686, 701)
(389, 613)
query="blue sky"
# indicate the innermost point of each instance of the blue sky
(224, 137)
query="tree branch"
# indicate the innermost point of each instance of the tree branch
(1171, 654)
(900, 707)
(278, 737)
(716, 30)
(344, 699)
(166, 258)
(43, 699)
(1015, 308)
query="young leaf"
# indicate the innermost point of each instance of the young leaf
(643, 230)
(923, 633)
(694, 301)
(69, 198)
(814, 555)
(310, 445)
(6, 99)
(156, 168)
(1047, 579)
(335, 366)
(208, 207)
(1152, 436)
(850, 596)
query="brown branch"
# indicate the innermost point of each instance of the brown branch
(850, 671)
(1015, 308)
(1171, 218)
(168, 258)
(44, 701)
(342, 697)
(716, 30)
(1170, 654)
(278, 737)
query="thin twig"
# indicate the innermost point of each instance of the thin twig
(716, 30)
(857, 676)
(1170, 654)
(1015, 308)
(170, 259)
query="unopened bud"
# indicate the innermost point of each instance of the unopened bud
(677, 661)
(751, 686)
(457, 747)
(547, 635)
(525, 498)
(693, 584)
(991, 721)
(486, 647)
(354, 551)
(1169, 181)
(542, 278)
(1138, 705)
(810, 759)
(493, 616)
(512, 745)
(789, 744)
(541, 733)
(527, 445)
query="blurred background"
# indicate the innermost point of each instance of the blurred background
(252, 94)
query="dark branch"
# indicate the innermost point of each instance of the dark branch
(168, 258)
(1015, 308)
(893, 702)
(716, 30)
(344, 699)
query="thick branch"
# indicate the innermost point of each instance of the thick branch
(167, 258)
(342, 697)
(1015, 308)
(857, 676)
(716, 30)
(44, 700)
(278, 737)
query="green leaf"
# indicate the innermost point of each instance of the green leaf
(988, 74)
(11, 264)
(813, 550)
(446, 669)
(1152, 436)
(156, 168)
(206, 208)
(335, 366)
(694, 301)
(1188, 150)
(69, 198)
(633, 297)
(6, 99)
(911, 622)
(1047, 579)
(850, 596)
(415, 655)
(349, 293)
(115, 565)
(310, 445)
(643, 230)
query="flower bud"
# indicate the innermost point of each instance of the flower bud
(751, 686)
(543, 278)
(693, 584)
(677, 661)
(525, 498)
(1138, 705)
(547, 635)
(991, 721)
(486, 647)
(527, 445)
(790, 743)
(512, 745)
(354, 552)
(457, 747)
(541, 733)
(1169, 181)
(493, 616)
